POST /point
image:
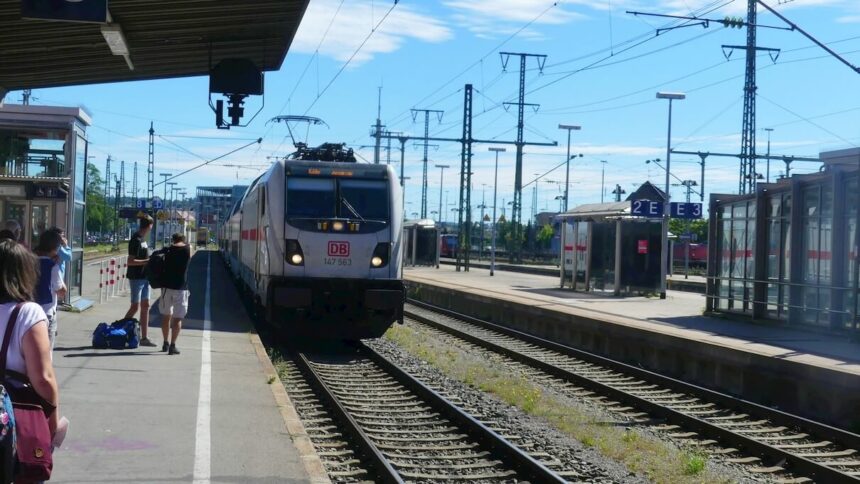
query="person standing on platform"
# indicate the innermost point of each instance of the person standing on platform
(173, 304)
(138, 256)
(50, 284)
(29, 351)
(13, 226)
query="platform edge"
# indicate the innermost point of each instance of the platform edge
(293, 424)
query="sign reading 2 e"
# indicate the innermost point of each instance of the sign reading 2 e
(685, 210)
(646, 208)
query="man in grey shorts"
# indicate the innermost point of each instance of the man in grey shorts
(138, 256)
(173, 304)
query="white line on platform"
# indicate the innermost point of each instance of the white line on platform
(203, 445)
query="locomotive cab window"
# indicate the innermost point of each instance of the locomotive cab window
(364, 199)
(311, 198)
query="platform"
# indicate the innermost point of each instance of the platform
(143, 416)
(771, 361)
(677, 282)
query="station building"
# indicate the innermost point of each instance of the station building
(214, 204)
(788, 252)
(43, 159)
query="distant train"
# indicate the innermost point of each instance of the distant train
(449, 246)
(698, 254)
(202, 236)
(317, 245)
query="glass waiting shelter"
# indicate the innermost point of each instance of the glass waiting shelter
(43, 158)
(606, 249)
(788, 252)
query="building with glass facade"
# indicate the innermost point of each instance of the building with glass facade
(43, 168)
(215, 203)
(788, 251)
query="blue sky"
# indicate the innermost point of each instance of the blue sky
(424, 52)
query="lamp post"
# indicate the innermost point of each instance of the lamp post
(569, 128)
(441, 182)
(170, 213)
(602, 179)
(403, 193)
(495, 193)
(664, 252)
(769, 131)
(163, 201)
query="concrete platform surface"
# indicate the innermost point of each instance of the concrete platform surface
(143, 416)
(680, 314)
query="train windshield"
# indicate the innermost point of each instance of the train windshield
(364, 199)
(311, 197)
(321, 198)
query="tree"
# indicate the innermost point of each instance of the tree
(545, 234)
(698, 227)
(97, 210)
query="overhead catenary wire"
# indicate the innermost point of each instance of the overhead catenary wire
(490, 52)
(257, 141)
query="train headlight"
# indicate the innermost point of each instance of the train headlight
(294, 253)
(337, 226)
(380, 255)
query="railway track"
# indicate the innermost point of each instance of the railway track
(786, 442)
(371, 421)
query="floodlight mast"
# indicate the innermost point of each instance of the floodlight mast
(664, 249)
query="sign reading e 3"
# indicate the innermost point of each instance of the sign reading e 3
(338, 249)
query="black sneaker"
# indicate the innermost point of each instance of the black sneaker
(147, 342)
(173, 350)
(165, 346)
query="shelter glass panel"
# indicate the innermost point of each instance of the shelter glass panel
(817, 251)
(851, 201)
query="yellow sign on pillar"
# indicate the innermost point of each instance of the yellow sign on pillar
(162, 215)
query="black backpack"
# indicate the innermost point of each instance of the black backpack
(154, 269)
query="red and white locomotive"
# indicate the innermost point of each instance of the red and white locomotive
(316, 242)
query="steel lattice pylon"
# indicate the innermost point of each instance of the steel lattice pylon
(746, 182)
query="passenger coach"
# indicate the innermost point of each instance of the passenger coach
(317, 245)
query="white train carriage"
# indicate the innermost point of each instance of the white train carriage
(317, 245)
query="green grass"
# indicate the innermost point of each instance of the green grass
(641, 453)
(694, 464)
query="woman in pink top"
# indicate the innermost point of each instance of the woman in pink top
(29, 349)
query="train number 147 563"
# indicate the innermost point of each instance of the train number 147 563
(337, 261)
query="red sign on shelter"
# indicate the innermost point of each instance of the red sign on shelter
(642, 247)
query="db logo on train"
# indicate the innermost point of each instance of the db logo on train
(338, 249)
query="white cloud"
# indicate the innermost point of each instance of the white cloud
(354, 22)
(501, 18)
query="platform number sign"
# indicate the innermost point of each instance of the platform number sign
(646, 208)
(685, 210)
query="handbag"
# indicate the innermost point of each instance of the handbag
(31, 411)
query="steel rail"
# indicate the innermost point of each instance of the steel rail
(385, 472)
(507, 452)
(794, 462)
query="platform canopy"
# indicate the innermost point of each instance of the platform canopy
(160, 38)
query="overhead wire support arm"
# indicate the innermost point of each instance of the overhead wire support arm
(728, 22)
(794, 26)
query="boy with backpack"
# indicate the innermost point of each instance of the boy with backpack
(173, 304)
(50, 284)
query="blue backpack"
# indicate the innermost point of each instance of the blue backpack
(43, 286)
(131, 327)
(100, 336)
